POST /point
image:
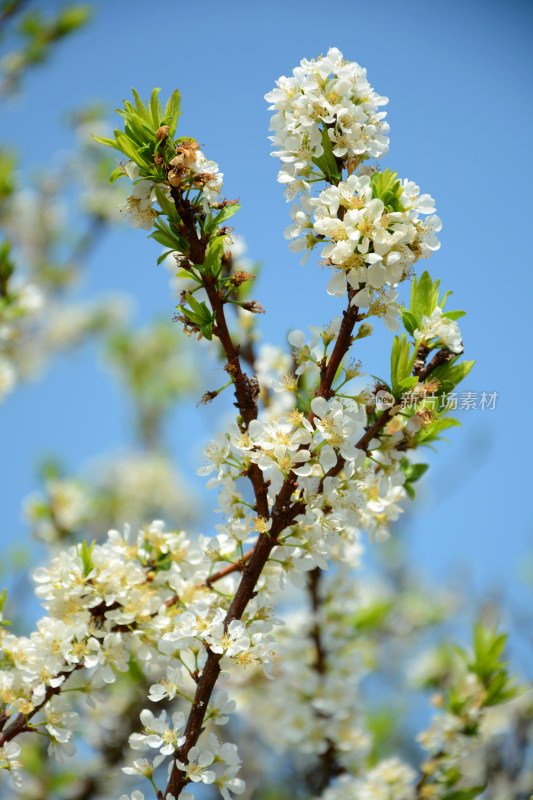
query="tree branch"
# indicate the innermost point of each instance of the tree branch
(320, 778)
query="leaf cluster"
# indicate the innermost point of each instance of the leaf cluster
(139, 140)
(387, 187)
(485, 661)
(424, 300)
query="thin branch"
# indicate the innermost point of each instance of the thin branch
(441, 357)
(20, 723)
(342, 345)
(320, 778)
(283, 515)
(9, 10)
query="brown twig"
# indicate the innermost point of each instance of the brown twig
(283, 514)
(20, 722)
(320, 778)
(342, 345)
(441, 357)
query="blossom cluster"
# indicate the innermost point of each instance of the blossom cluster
(390, 778)
(326, 123)
(133, 487)
(370, 246)
(41, 256)
(328, 97)
(190, 169)
(310, 705)
(33, 326)
(336, 507)
(143, 595)
(316, 701)
(16, 315)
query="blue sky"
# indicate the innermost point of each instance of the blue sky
(458, 76)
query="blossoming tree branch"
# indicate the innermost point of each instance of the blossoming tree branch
(312, 462)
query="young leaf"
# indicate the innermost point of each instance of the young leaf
(405, 385)
(172, 112)
(454, 314)
(464, 794)
(156, 108)
(116, 174)
(164, 256)
(207, 330)
(431, 432)
(388, 189)
(327, 163)
(409, 322)
(409, 489)
(128, 148)
(85, 553)
(108, 142)
(412, 472)
(444, 298)
(213, 258)
(169, 237)
(422, 295)
(450, 374)
(140, 108)
(226, 213)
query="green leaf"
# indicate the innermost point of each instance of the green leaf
(85, 553)
(200, 315)
(116, 174)
(464, 794)
(431, 432)
(164, 255)
(422, 295)
(191, 315)
(372, 616)
(213, 257)
(140, 132)
(108, 142)
(405, 385)
(395, 355)
(140, 108)
(166, 205)
(169, 237)
(73, 17)
(402, 361)
(128, 148)
(207, 331)
(412, 472)
(226, 213)
(163, 238)
(450, 374)
(197, 307)
(487, 664)
(409, 322)
(172, 112)
(454, 314)
(444, 298)
(156, 108)
(388, 189)
(327, 163)
(212, 222)
(409, 489)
